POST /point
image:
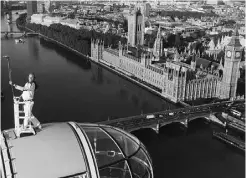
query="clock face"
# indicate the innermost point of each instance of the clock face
(237, 54)
(228, 54)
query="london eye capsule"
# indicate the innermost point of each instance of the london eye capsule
(74, 150)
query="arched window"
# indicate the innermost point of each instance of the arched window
(220, 73)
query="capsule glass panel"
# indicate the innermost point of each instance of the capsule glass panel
(105, 150)
(118, 153)
(127, 144)
(119, 170)
(140, 165)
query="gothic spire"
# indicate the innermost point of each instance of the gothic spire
(235, 39)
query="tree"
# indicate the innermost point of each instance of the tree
(220, 2)
(71, 16)
(79, 40)
(170, 40)
(186, 14)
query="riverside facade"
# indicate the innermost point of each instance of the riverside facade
(177, 80)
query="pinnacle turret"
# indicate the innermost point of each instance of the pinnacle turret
(235, 42)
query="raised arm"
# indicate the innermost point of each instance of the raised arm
(16, 86)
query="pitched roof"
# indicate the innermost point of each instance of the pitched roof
(206, 63)
(235, 42)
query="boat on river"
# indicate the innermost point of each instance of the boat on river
(229, 139)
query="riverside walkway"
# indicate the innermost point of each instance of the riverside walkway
(12, 32)
(6, 33)
(182, 115)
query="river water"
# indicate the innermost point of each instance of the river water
(73, 89)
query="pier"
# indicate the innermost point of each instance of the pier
(230, 140)
(236, 126)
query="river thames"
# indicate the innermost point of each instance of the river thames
(74, 89)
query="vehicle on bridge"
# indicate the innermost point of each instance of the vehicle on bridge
(235, 112)
(171, 114)
(150, 116)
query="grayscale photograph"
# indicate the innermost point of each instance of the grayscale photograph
(122, 89)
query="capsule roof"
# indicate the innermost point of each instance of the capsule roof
(70, 149)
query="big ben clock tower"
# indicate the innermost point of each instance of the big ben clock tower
(233, 55)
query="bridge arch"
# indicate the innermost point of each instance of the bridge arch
(170, 123)
(198, 117)
(172, 129)
(144, 131)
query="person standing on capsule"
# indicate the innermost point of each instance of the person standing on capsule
(28, 96)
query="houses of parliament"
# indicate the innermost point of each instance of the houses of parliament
(175, 78)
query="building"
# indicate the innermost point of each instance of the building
(233, 56)
(158, 46)
(242, 30)
(51, 20)
(44, 6)
(136, 27)
(212, 2)
(56, 4)
(31, 8)
(46, 20)
(178, 79)
(37, 18)
(47, 5)
(145, 8)
(221, 43)
(40, 7)
(73, 23)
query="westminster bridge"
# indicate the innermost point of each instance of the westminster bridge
(182, 115)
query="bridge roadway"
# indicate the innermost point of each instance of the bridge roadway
(181, 115)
